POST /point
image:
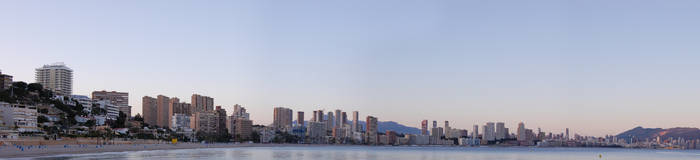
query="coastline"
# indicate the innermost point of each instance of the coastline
(10, 151)
(54, 150)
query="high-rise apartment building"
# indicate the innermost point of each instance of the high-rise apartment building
(329, 121)
(437, 133)
(221, 119)
(475, 131)
(319, 116)
(567, 134)
(163, 111)
(282, 118)
(313, 117)
(448, 129)
(239, 113)
(300, 118)
(316, 131)
(56, 77)
(5, 81)
(202, 103)
(521, 132)
(371, 134)
(500, 131)
(424, 127)
(489, 132)
(344, 119)
(355, 121)
(114, 97)
(149, 108)
(175, 106)
(338, 119)
(390, 137)
(244, 128)
(120, 99)
(207, 122)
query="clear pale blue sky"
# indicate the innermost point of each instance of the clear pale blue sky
(598, 66)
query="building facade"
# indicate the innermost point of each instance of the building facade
(338, 119)
(114, 97)
(163, 111)
(21, 117)
(202, 103)
(300, 118)
(149, 108)
(207, 122)
(181, 122)
(521, 132)
(221, 119)
(500, 131)
(424, 127)
(5, 81)
(355, 121)
(112, 110)
(330, 119)
(371, 134)
(282, 118)
(56, 77)
(244, 128)
(120, 99)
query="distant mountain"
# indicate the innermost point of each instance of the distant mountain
(651, 133)
(396, 127)
(383, 126)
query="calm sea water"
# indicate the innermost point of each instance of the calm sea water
(398, 153)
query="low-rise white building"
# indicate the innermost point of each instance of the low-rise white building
(85, 101)
(418, 139)
(18, 116)
(112, 110)
(181, 122)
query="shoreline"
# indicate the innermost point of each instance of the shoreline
(56, 150)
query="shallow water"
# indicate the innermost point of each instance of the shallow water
(397, 153)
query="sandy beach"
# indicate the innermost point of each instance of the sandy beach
(12, 151)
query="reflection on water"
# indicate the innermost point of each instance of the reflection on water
(394, 153)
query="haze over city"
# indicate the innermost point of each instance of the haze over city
(596, 67)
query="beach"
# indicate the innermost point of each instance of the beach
(28, 151)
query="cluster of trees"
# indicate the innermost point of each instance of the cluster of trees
(21, 92)
(284, 137)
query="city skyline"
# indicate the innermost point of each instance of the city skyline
(595, 76)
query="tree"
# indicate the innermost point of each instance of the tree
(120, 122)
(19, 89)
(34, 87)
(42, 119)
(138, 117)
(89, 123)
(79, 109)
(284, 137)
(255, 137)
(5, 96)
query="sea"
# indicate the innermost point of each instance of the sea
(395, 153)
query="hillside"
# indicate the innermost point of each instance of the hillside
(651, 133)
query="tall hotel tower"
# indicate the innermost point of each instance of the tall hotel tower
(56, 77)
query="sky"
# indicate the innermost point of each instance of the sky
(597, 67)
